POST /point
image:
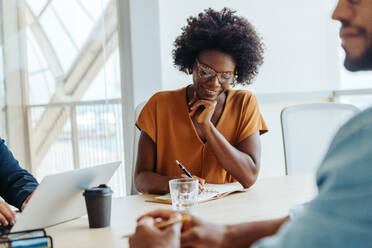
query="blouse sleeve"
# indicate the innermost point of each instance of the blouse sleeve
(146, 121)
(251, 119)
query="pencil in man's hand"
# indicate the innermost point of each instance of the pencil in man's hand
(163, 224)
(170, 222)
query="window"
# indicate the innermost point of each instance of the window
(72, 85)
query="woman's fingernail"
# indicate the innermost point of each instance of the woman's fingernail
(6, 223)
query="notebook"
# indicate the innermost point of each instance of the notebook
(210, 192)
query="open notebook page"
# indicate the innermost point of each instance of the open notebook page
(211, 191)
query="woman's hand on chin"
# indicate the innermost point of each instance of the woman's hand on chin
(201, 110)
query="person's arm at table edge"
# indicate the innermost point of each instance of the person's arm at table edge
(246, 234)
(146, 180)
(16, 184)
(242, 161)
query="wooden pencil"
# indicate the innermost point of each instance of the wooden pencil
(163, 224)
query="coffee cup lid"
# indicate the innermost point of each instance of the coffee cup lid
(101, 190)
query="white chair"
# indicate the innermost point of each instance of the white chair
(308, 130)
(136, 136)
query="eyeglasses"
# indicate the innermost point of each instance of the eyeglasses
(206, 73)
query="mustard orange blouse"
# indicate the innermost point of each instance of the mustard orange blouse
(165, 118)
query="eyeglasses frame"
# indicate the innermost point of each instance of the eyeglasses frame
(218, 74)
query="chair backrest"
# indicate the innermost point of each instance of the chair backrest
(308, 130)
(136, 136)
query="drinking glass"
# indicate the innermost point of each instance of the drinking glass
(184, 193)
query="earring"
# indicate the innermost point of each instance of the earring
(234, 80)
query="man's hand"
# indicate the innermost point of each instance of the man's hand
(201, 234)
(7, 216)
(149, 236)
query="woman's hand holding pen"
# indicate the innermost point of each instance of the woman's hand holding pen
(201, 181)
(188, 175)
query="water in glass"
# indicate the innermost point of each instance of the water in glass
(184, 193)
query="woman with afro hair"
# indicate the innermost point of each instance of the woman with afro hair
(213, 130)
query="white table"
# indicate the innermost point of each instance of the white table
(268, 198)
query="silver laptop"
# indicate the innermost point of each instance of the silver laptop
(59, 197)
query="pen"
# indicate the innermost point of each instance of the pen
(184, 169)
(164, 224)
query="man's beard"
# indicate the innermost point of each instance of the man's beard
(361, 63)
